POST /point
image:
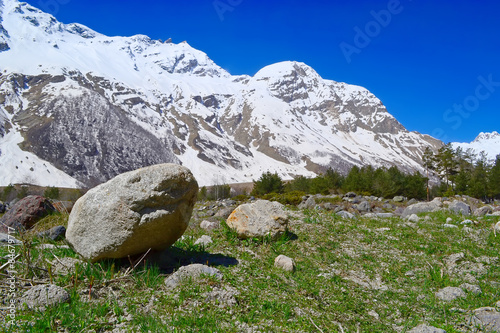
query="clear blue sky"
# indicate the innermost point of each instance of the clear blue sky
(435, 65)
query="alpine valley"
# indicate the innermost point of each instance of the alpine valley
(78, 108)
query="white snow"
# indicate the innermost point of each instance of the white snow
(487, 142)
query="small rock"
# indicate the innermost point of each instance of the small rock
(466, 222)
(51, 246)
(385, 215)
(26, 213)
(410, 273)
(350, 195)
(451, 226)
(398, 199)
(223, 297)
(204, 240)
(209, 226)
(412, 201)
(449, 220)
(373, 314)
(66, 265)
(426, 329)
(193, 271)
(487, 318)
(413, 218)
(421, 207)
(483, 211)
(449, 294)
(53, 233)
(345, 215)
(472, 288)
(309, 203)
(42, 296)
(497, 227)
(285, 263)
(6, 239)
(460, 207)
(224, 212)
(364, 206)
(259, 219)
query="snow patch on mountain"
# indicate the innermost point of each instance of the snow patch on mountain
(487, 142)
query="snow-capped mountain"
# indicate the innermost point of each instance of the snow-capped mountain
(78, 107)
(487, 142)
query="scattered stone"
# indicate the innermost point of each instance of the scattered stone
(51, 247)
(345, 215)
(350, 195)
(487, 318)
(497, 227)
(472, 288)
(460, 207)
(53, 233)
(364, 206)
(6, 239)
(285, 263)
(204, 240)
(193, 271)
(3, 207)
(309, 203)
(426, 329)
(41, 296)
(26, 213)
(398, 199)
(223, 297)
(412, 201)
(259, 219)
(421, 207)
(483, 211)
(209, 226)
(413, 218)
(467, 222)
(66, 265)
(451, 226)
(148, 208)
(449, 220)
(373, 314)
(329, 206)
(449, 294)
(410, 273)
(224, 212)
(385, 215)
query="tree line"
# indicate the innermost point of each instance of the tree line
(461, 172)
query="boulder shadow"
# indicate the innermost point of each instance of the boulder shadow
(172, 258)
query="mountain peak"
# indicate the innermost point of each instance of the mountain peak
(487, 136)
(285, 68)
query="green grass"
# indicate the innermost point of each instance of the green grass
(375, 275)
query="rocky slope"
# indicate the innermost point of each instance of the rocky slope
(78, 107)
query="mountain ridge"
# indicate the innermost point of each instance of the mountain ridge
(94, 106)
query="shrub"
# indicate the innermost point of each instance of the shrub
(51, 192)
(268, 183)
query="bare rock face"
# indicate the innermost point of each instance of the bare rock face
(133, 212)
(26, 213)
(259, 219)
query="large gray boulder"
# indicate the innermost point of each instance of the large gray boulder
(259, 219)
(133, 212)
(460, 207)
(421, 207)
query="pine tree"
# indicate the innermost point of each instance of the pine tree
(494, 179)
